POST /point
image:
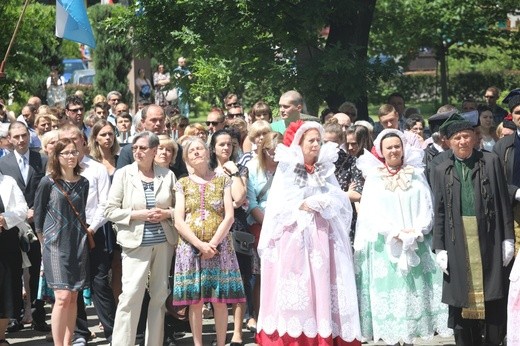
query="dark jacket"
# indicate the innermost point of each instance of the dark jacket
(178, 167)
(505, 149)
(429, 153)
(37, 167)
(494, 219)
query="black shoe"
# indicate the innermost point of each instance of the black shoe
(14, 326)
(41, 327)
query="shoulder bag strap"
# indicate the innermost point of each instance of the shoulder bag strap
(91, 242)
(265, 188)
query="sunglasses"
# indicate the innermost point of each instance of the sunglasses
(139, 147)
(233, 116)
(76, 110)
(214, 123)
(234, 104)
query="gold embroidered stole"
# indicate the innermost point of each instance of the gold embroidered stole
(476, 309)
(516, 215)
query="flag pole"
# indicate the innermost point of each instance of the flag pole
(2, 66)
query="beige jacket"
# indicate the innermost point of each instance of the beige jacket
(127, 194)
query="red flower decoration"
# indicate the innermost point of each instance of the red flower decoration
(290, 132)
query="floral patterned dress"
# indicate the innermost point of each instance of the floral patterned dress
(213, 280)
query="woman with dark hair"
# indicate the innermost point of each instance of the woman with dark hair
(415, 124)
(399, 284)
(206, 268)
(358, 139)
(223, 147)
(261, 111)
(103, 146)
(143, 87)
(59, 221)
(487, 127)
(349, 176)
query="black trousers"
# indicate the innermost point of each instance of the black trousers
(490, 331)
(10, 275)
(101, 291)
(35, 257)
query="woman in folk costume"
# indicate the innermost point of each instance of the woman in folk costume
(513, 307)
(308, 285)
(399, 284)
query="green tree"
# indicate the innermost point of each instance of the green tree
(256, 47)
(35, 50)
(402, 27)
(113, 53)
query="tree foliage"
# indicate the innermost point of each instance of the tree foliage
(403, 27)
(35, 50)
(113, 53)
(260, 48)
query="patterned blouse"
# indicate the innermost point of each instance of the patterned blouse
(204, 204)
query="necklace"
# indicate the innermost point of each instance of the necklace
(392, 171)
(309, 168)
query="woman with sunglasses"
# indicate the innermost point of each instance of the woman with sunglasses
(140, 204)
(59, 219)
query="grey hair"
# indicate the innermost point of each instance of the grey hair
(153, 140)
(114, 93)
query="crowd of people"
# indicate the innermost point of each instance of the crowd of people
(308, 230)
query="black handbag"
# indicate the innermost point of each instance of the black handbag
(243, 242)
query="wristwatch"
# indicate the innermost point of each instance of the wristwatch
(236, 174)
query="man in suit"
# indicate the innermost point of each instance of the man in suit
(153, 120)
(27, 167)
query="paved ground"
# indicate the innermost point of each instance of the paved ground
(28, 337)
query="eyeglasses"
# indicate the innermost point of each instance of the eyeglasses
(234, 104)
(233, 116)
(139, 147)
(76, 110)
(214, 123)
(72, 153)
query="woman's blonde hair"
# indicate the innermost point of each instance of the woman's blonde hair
(168, 142)
(258, 127)
(270, 142)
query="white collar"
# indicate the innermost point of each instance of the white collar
(19, 156)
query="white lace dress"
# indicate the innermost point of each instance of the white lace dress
(513, 306)
(399, 284)
(308, 286)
